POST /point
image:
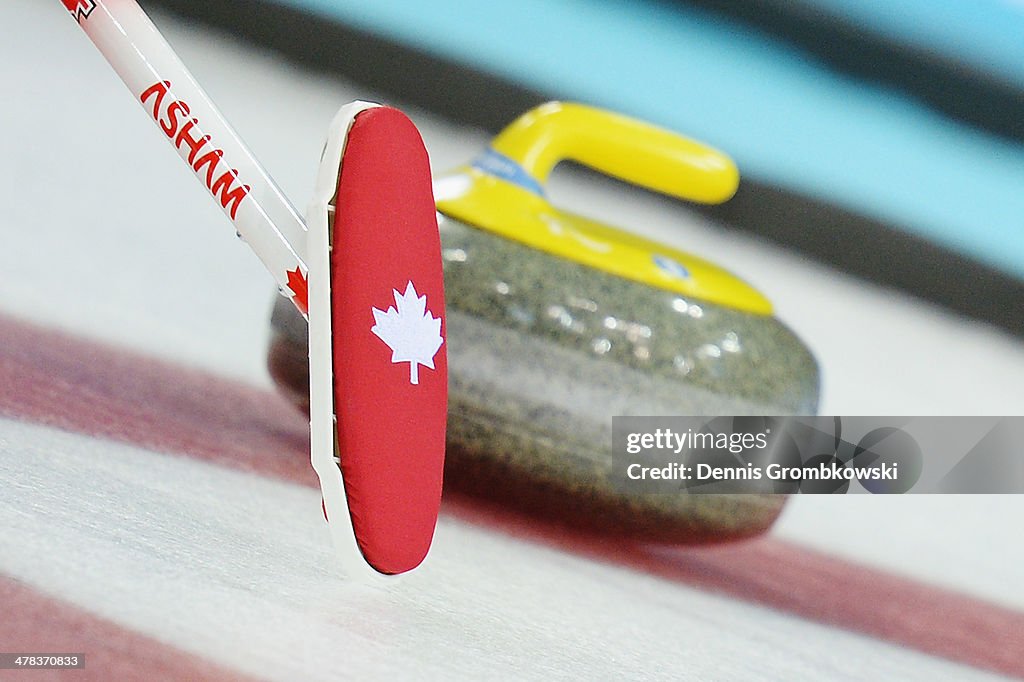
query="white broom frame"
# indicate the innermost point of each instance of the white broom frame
(264, 217)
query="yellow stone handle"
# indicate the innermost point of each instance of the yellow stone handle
(619, 146)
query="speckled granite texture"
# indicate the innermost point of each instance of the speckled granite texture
(543, 352)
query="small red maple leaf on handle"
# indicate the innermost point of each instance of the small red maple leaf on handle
(411, 332)
(297, 283)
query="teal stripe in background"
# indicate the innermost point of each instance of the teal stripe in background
(784, 119)
(987, 34)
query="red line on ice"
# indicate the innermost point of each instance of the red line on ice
(90, 388)
(34, 622)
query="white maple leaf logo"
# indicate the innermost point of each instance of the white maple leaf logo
(411, 332)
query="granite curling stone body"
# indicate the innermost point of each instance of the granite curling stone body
(557, 323)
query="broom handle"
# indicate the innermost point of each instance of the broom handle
(205, 141)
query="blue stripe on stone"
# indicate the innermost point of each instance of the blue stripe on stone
(500, 166)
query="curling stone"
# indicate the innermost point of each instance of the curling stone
(556, 323)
